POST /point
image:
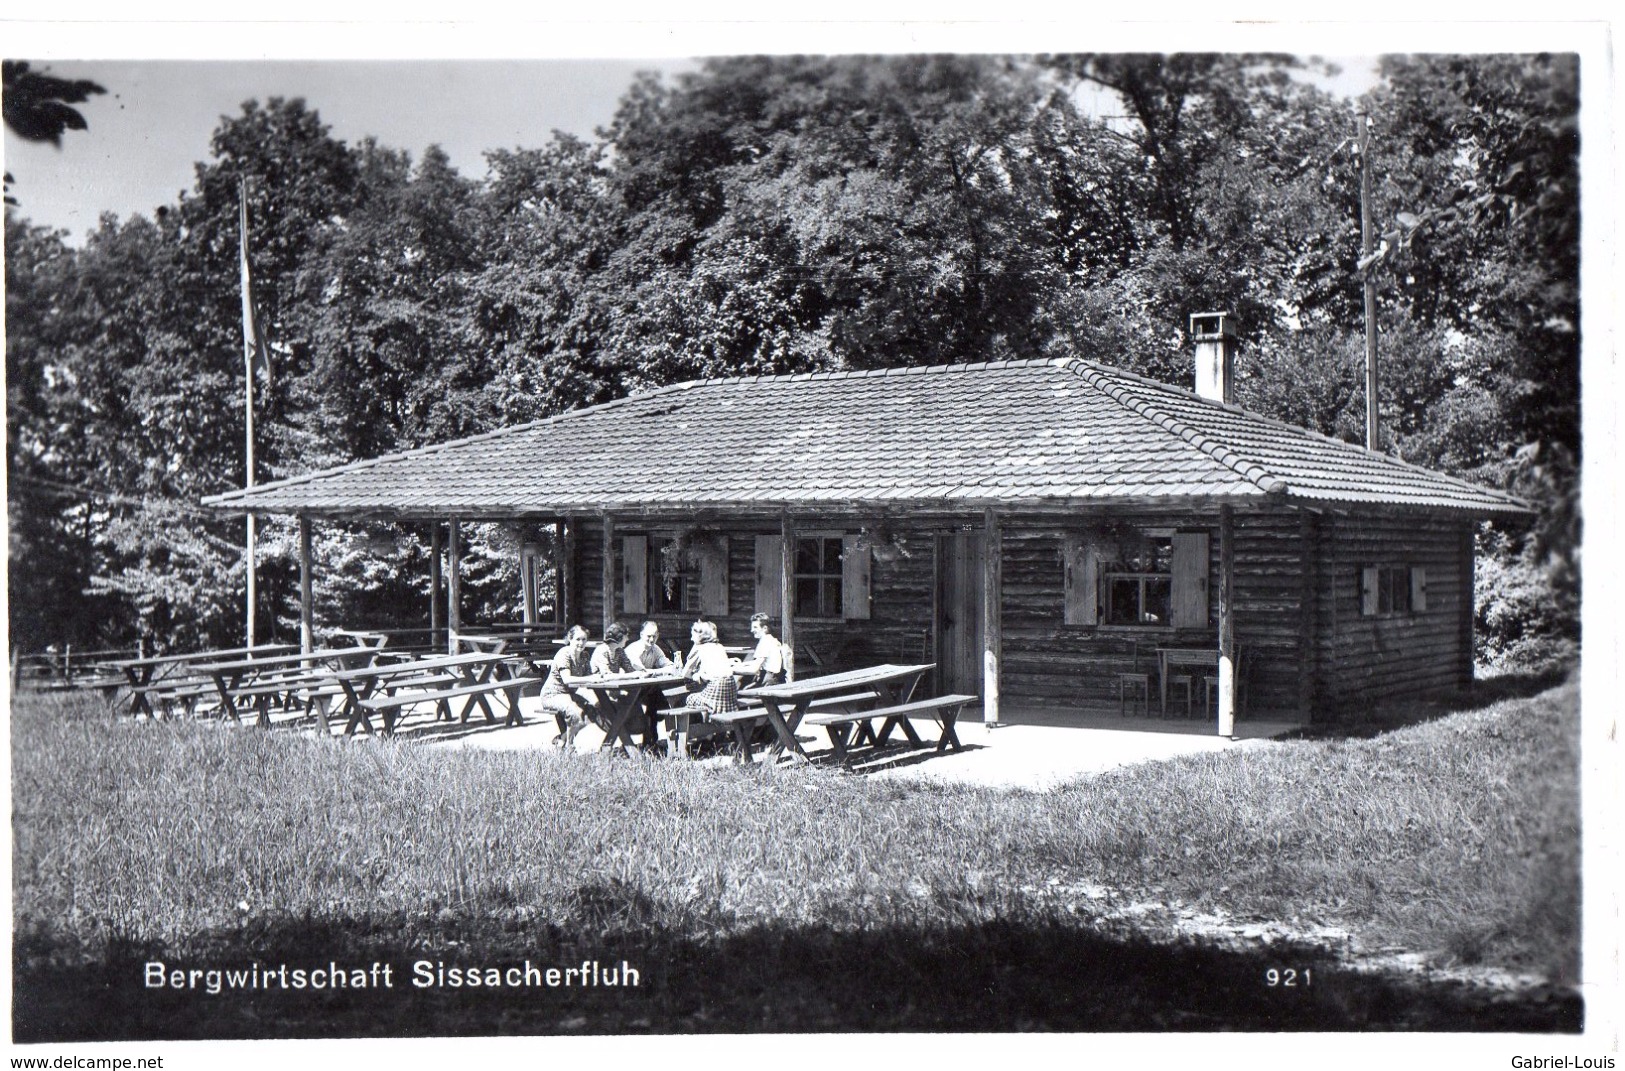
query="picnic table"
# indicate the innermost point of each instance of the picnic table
(621, 695)
(474, 677)
(143, 675)
(262, 679)
(784, 705)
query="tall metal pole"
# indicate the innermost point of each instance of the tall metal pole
(251, 343)
(1366, 241)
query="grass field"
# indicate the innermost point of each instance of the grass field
(760, 899)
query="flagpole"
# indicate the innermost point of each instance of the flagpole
(250, 344)
(1373, 440)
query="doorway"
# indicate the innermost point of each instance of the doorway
(959, 613)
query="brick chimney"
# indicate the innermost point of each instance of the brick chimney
(1215, 336)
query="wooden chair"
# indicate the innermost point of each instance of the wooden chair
(1185, 681)
(1134, 679)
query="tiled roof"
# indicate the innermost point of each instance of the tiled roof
(1016, 432)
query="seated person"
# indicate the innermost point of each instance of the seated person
(647, 656)
(569, 707)
(610, 656)
(766, 664)
(710, 667)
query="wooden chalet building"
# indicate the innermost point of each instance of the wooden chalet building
(873, 513)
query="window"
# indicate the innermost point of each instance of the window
(818, 576)
(674, 583)
(1392, 590)
(1121, 576)
(1139, 585)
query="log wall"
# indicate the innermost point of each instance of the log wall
(1365, 658)
(1306, 652)
(1052, 664)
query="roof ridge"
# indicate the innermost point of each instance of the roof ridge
(863, 373)
(1096, 375)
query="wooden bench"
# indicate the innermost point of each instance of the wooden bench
(751, 717)
(323, 693)
(388, 706)
(945, 709)
(185, 691)
(749, 703)
(294, 689)
(105, 683)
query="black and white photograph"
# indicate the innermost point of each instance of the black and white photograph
(888, 543)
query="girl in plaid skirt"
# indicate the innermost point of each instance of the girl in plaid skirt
(709, 665)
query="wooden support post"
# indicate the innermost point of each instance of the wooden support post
(608, 577)
(787, 589)
(992, 597)
(454, 584)
(1468, 551)
(1309, 615)
(569, 604)
(527, 582)
(306, 613)
(436, 620)
(1227, 623)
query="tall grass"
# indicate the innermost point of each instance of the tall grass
(1457, 837)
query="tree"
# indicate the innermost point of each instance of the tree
(808, 212)
(1220, 192)
(168, 344)
(38, 106)
(49, 516)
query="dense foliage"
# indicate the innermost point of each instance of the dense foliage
(785, 214)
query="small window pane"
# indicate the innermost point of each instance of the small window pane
(1402, 590)
(832, 555)
(1123, 601)
(1162, 555)
(807, 597)
(1158, 600)
(832, 598)
(806, 555)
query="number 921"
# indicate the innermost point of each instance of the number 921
(1288, 978)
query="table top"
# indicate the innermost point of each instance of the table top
(286, 660)
(377, 632)
(416, 665)
(159, 660)
(837, 682)
(602, 681)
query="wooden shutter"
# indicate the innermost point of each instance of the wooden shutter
(1189, 582)
(769, 568)
(854, 579)
(635, 574)
(1080, 581)
(1368, 590)
(714, 581)
(1419, 589)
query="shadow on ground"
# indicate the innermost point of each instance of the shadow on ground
(992, 977)
(1485, 692)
